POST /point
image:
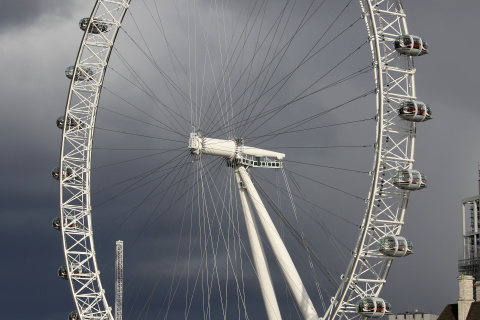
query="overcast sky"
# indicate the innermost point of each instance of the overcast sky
(38, 39)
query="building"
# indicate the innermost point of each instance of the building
(413, 316)
(469, 263)
(466, 308)
(468, 304)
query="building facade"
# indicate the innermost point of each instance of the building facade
(413, 316)
(469, 263)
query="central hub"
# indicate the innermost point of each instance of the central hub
(214, 147)
(234, 150)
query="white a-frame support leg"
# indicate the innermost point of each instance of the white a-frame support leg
(261, 266)
(280, 251)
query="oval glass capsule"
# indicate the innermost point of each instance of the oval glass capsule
(82, 74)
(56, 223)
(395, 246)
(73, 315)
(67, 174)
(62, 272)
(409, 179)
(71, 123)
(415, 111)
(373, 307)
(410, 45)
(96, 27)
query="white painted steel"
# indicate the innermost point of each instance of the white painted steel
(227, 148)
(258, 255)
(218, 147)
(386, 205)
(257, 152)
(394, 150)
(75, 203)
(290, 273)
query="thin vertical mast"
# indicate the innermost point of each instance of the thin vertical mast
(118, 280)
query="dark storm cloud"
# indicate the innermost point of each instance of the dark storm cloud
(448, 69)
(33, 94)
(19, 14)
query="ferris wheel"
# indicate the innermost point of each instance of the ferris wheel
(256, 158)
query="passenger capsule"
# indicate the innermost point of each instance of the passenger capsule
(62, 272)
(67, 174)
(71, 123)
(82, 74)
(56, 173)
(73, 315)
(372, 307)
(410, 45)
(395, 246)
(415, 111)
(77, 270)
(56, 223)
(80, 270)
(96, 27)
(409, 179)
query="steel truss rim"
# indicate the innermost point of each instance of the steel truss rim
(98, 305)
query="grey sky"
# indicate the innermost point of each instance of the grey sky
(19, 14)
(38, 39)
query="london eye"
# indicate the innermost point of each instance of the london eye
(256, 157)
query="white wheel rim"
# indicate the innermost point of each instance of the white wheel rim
(394, 150)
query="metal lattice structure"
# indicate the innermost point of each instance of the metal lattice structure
(118, 280)
(386, 204)
(469, 264)
(75, 205)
